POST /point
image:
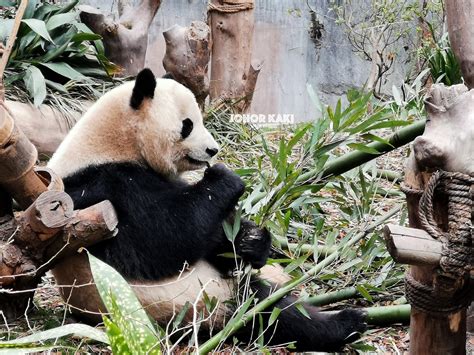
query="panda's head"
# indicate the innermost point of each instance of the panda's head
(170, 130)
(152, 121)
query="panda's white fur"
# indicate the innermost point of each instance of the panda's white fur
(143, 135)
(111, 131)
(130, 147)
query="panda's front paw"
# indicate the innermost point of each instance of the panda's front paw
(219, 173)
(253, 244)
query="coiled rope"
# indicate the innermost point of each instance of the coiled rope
(450, 289)
(230, 6)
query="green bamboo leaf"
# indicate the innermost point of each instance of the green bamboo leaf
(273, 317)
(39, 27)
(374, 138)
(30, 9)
(35, 84)
(302, 310)
(397, 96)
(44, 11)
(56, 86)
(68, 7)
(364, 293)
(388, 124)
(363, 148)
(53, 53)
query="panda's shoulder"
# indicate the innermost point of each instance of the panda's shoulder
(113, 172)
(131, 176)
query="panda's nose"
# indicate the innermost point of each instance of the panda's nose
(212, 151)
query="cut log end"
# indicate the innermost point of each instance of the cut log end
(412, 246)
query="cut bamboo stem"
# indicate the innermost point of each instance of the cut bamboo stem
(356, 158)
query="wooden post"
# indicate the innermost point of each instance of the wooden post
(450, 110)
(233, 77)
(460, 16)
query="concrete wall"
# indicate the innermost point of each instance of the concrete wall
(282, 41)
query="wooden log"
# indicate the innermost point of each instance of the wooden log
(460, 18)
(17, 159)
(412, 246)
(29, 248)
(88, 227)
(233, 77)
(41, 221)
(187, 57)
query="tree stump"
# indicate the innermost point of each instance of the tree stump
(125, 40)
(187, 57)
(233, 77)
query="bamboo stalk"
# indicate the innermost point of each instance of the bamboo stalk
(278, 294)
(389, 175)
(388, 314)
(353, 159)
(343, 294)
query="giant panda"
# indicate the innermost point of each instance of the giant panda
(131, 148)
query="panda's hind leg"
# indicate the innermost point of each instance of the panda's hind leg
(319, 332)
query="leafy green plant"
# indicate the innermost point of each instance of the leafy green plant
(444, 67)
(53, 50)
(128, 327)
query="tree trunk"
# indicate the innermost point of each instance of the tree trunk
(187, 57)
(460, 16)
(125, 40)
(233, 77)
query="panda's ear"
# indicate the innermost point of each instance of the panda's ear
(145, 85)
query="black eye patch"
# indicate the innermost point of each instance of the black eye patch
(187, 128)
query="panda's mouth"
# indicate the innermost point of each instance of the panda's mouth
(196, 162)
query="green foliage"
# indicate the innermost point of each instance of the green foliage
(46, 340)
(53, 50)
(444, 67)
(128, 327)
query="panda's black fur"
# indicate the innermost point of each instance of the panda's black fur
(165, 222)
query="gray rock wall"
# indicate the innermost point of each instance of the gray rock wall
(291, 59)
